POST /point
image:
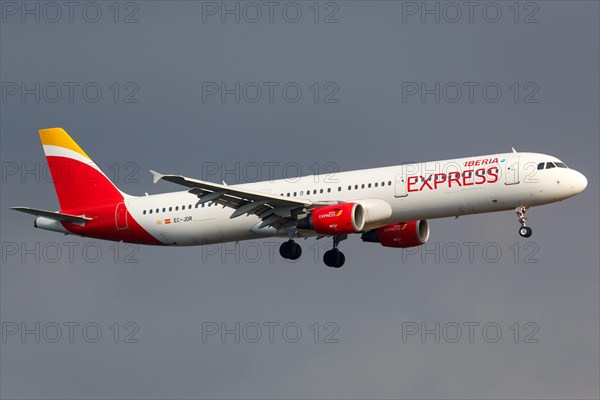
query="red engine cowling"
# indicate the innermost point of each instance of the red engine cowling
(399, 234)
(335, 220)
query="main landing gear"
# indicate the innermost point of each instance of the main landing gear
(334, 258)
(290, 250)
(524, 231)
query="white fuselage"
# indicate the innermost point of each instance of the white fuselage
(414, 191)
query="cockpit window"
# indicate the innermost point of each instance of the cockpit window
(549, 165)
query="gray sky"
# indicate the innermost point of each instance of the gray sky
(156, 111)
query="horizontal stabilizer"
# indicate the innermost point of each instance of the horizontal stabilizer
(57, 216)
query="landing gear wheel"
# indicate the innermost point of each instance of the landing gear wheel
(334, 258)
(525, 231)
(342, 260)
(297, 252)
(290, 250)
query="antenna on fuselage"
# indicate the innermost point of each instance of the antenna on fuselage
(513, 149)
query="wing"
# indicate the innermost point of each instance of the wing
(276, 211)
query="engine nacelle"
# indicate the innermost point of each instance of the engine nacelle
(335, 220)
(377, 212)
(399, 234)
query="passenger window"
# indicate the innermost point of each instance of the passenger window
(157, 210)
(301, 193)
(389, 183)
(328, 190)
(177, 208)
(170, 208)
(541, 165)
(349, 187)
(144, 212)
(362, 186)
(550, 165)
(164, 209)
(150, 211)
(339, 188)
(369, 185)
(375, 184)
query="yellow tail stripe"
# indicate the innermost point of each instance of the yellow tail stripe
(58, 137)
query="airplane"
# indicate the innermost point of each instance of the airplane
(388, 205)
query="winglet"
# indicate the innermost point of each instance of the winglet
(156, 176)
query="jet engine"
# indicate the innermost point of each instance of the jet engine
(399, 234)
(336, 219)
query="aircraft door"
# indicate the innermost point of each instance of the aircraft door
(121, 216)
(511, 170)
(401, 185)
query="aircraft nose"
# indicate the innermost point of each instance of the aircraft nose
(579, 182)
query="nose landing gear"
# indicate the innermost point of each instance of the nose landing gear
(524, 230)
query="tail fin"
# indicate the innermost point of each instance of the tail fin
(77, 179)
